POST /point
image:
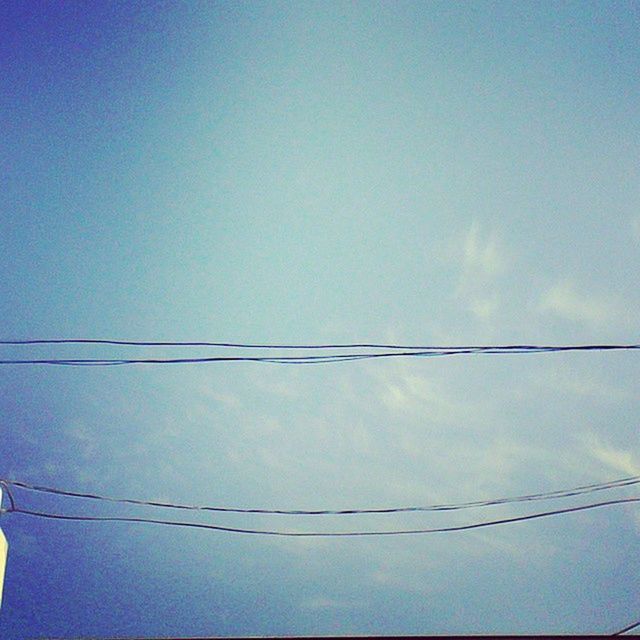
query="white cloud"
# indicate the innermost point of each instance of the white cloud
(401, 391)
(621, 460)
(481, 263)
(482, 255)
(208, 389)
(565, 302)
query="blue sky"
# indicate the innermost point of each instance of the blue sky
(449, 173)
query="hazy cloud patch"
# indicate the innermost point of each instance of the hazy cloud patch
(483, 254)
(622, 460)
(209, 390)
(565, 302)
(416, 395)
(481, 262)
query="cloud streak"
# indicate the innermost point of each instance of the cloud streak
(481, 263)
(564, 301)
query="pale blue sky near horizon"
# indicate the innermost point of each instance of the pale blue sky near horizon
(429, 173)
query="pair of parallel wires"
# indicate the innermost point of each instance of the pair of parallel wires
(338, 352)
(10, 485)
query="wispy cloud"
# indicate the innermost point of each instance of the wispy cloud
(207, 389)
(483, 254)
(412, 393)
(621, 460)
(565, 301)
(482, 261)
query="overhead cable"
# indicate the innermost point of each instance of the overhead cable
(233, 345)
(560, 493)
(625, 629)
(396, 352)
(325, 534)
(351, 345)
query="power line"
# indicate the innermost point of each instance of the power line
(560, 493)
(327, 534)
(401, 352)
(233, 345)
(351, 345)
(102, 362)
(631, 626)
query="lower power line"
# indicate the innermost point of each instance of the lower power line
(328, 534)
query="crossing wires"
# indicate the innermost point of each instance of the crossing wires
(550, 495)
(562, 493)
(331, 353)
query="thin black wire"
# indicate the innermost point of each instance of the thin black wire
(560, 493)
(322, 359)
(233, 345)
(631, 626)
(328, 534)
(269, 359)
(353, 345)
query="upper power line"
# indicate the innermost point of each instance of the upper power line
(345, 345)
(354, 351)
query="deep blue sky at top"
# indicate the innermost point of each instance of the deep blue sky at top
(146, 142)
(309, 172)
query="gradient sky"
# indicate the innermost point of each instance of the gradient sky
(420, 172)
